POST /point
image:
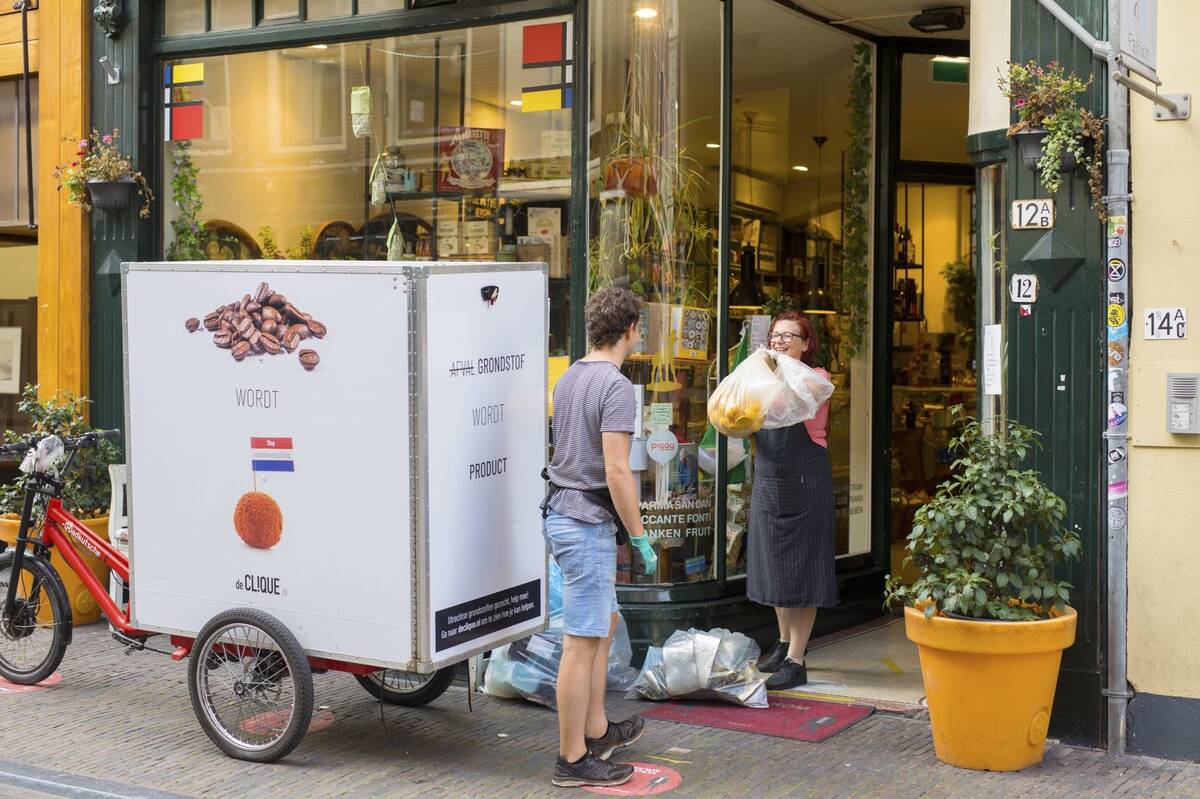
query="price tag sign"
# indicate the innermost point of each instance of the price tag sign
(1032, 214)
(661, 414)
(1166, 323)
(1023, 288)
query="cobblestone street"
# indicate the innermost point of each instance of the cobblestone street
(119, 726)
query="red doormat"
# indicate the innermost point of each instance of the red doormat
(799, 719)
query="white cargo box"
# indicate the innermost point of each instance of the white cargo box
(382, 504)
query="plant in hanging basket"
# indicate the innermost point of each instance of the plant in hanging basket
(985, 545)
(1055, 133)
(101, 177)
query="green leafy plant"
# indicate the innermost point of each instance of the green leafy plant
(1045, 97)
(304, 249)
(87, 489)
(856, 269)
(268, 244)
(190, 238)
(987, 541)
(778, 303)
(960, 296)
(99, 158)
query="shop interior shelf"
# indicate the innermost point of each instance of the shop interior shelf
(555, 189)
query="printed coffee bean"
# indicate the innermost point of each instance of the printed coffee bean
(270, 314)
(291, 340)
(307, 317)
(316, 328)
(263, 293)
(257, 317)
(277, 301)
(244, 326)
(192, 325)
(226, 315)
(254, 338)
(262, 322)
(224, 339)
(241, 350)
(292, 312)
(299, 329)
(245, 301)
(225, 325)
(269, 343)
(268, 326)
(211, 322)
(253, 307)
(309, 359)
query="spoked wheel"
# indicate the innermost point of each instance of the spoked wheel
(407, 687)
(34, 637)
(251, 685)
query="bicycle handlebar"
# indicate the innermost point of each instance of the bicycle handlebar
(17, 449)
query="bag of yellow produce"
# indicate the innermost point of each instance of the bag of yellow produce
(739, 405)
(807, 390)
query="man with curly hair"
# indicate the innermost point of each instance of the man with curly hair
(593, 499)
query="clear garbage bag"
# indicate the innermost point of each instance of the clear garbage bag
(806, 392)
(695, 664)
(738, 407)
(41, 458)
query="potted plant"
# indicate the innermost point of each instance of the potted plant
(101, 177)
(1054, 134)
(86, 493)
(988, 617)
(960, 297)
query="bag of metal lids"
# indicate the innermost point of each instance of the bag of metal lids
(807, 390)
(738, 407)
(695, 664)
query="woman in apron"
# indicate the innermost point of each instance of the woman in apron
(790, 559)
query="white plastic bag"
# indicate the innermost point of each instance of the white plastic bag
(40, 459)
(360, 111)
(716, 664)
(740, 403)
(806, 392)
(735, 452)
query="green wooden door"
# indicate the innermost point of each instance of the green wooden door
(1055, 369)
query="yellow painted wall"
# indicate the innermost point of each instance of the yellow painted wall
(12, 55)
(18, 272)
(1164, 470)
(947, 225)
(991, 24)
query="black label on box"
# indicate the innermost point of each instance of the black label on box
(487, 614)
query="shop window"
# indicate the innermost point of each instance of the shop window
(801, 151)
(231, 15)
(654, 202)
(280, 10)
(933, 122)
(376, 6)
(399, 148)
(184, 17)
(325, 9)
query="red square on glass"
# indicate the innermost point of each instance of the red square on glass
(543, 44)
(187, 122)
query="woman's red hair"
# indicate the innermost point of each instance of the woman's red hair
(806, 329)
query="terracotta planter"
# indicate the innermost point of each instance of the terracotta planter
(112, 196)
(990, 686)
(1029, 144)
(84, 609)
(633, 175)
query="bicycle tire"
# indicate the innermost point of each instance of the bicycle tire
(58, 626)
(423, 694)
(210, 653)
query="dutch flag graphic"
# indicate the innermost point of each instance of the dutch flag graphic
(271, 455)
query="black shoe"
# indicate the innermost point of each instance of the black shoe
(771, 661)
(618, 736)
(590, 770)
(790, 675)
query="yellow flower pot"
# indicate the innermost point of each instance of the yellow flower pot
(84, 609)
(990, 686)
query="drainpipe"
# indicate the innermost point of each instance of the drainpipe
(23, 6)
(1115, 437)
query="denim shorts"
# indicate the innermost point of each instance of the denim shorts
(586, 553)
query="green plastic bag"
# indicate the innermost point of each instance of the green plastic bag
(709, 441)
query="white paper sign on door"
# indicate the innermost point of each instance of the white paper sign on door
(992, 347)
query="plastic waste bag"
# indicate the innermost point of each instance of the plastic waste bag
(738, 407)
(806, 392)
(41, 459)
(695, 664)
(529, 668)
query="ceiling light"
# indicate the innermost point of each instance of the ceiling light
(713, 146)
(800, 168)
(645, 11)
(951, 59)
(939, 20)
(319, 46)
(515, 102)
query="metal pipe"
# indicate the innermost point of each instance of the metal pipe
(724, 234)
(1117, 380)
(24, 4)
(1101, 50)
(1149, 94)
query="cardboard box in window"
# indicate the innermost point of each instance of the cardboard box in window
(551, 249)
(477, 229)
(688, 326)
(479, 245)
(544, 221)
(447, 228)
(447, 246)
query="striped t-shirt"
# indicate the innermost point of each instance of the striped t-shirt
(591, 398)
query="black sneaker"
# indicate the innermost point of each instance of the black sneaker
(618, 736)
(790, 675)
(589, 770)
(770, 662)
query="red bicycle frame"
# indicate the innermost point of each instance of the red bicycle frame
(59, 529)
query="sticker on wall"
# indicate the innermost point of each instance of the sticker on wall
(1116, 380)
(1116, 298)
(1116, 455)
(183, 116)
(1116, 314)
(1116, 396)
(1118, 333)
(1116, 353)
(1118, 490)
(1116, 518)
(1116, 270)
(1118, 414)
(1117, 225)
(1114, 242)
(1026, 310)
(547, 45)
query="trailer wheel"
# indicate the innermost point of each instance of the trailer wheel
(407, 687)
(251, 685)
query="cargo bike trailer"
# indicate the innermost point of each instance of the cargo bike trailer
(462, 572)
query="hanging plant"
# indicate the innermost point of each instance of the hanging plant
(101, 177)
(856, 271)
(1049, 115)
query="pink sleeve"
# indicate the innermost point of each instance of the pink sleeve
(818, 426)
